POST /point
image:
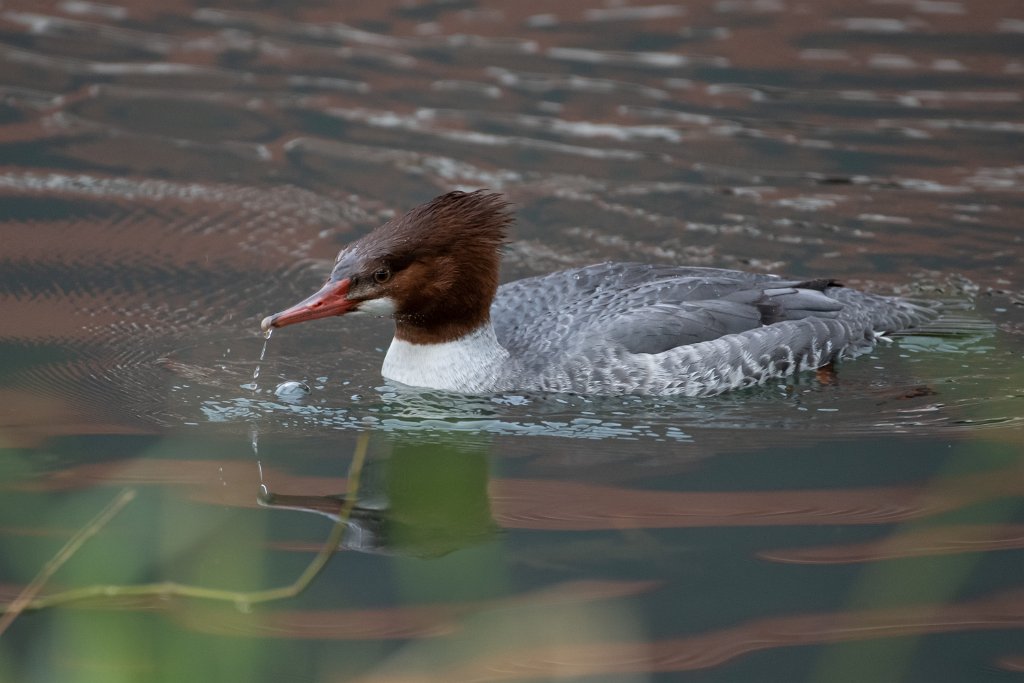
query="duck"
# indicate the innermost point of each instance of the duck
(610, 328)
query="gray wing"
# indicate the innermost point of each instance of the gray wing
(658, 328)
(557, 291)
(647, 309)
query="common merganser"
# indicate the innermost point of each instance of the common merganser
(610, 328)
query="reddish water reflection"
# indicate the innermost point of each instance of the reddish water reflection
(568, 660)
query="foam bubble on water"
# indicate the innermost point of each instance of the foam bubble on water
(291, 389)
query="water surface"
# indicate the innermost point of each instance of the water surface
(170, 174)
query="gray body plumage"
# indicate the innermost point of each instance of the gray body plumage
(618, 328)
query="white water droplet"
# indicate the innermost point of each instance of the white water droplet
(263, 354)
(291, 389)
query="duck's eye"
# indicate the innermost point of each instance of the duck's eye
(381, 275)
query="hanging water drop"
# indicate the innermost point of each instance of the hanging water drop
(263, 354)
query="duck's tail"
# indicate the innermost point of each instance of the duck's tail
(950, 318)
(752, 357)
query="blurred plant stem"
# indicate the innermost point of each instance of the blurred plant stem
(27, 600)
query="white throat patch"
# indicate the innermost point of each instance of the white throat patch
(382, 307)
(472, 364)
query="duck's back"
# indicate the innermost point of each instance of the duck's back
(626, 327)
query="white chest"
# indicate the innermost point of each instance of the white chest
(473, 364)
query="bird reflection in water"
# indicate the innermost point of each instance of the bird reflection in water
(421, 500)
